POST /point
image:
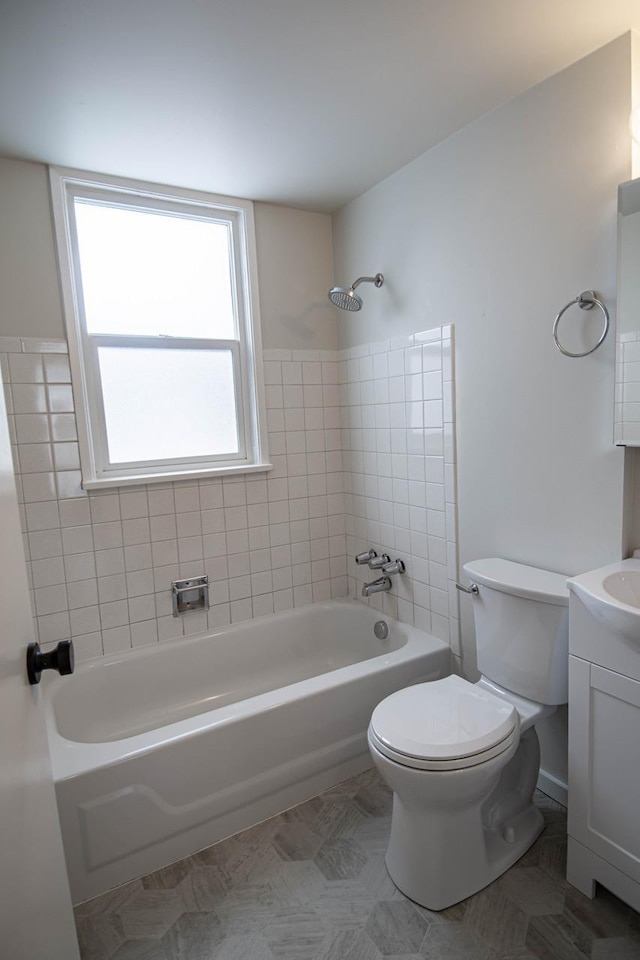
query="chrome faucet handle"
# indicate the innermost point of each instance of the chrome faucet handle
(395, 566)
(379, 563)
(366, 557)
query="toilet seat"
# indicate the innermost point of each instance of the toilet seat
(446, 724)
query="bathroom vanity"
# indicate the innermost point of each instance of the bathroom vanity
(604, 731)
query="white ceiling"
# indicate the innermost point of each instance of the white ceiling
(301, 102)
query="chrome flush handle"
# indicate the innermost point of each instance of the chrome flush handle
(472, 588)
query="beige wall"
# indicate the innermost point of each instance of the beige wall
(295, 269)
(295, 266)
(30, 297)
(495, 230)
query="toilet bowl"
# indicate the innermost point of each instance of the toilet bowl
(463, 758)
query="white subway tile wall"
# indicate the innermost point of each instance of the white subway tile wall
(361, 442)
(397, 401)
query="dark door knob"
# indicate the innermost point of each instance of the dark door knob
(60, 659)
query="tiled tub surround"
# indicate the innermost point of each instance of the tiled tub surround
(400, 482)
(375, 421)
(101, 565)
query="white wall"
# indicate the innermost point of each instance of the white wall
(494, 231)
(294, 263)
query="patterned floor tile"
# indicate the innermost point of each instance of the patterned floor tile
(533, 890)
(219, 854)
(336, 820)
(296, 841)
(453, 941)
(557, 938)
(203, 888)
(453, 914)
(552, 856)
(396, 928)
(350, 945)
(195, 936)
(250, 903)
(99, 936)
(168, 878)
(295, 882)
(296, 934)
(150, 913)
(341, 859)
(251, 947)
(374, 799)
(377, 881)
(347, 904)
(604, 917)
(109, 902)
(249, 861)
(263, 832)
(311, 884)
(145, 949)
(306, 812)
(373, 834)
(342, 791)
(524, 955)
(497, 920)
(615, 948)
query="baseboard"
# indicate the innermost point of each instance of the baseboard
(553, 787)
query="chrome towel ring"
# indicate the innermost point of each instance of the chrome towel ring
(587, 300)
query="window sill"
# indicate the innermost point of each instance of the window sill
(104, 483)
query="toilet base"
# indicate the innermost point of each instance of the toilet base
(454, 833)
(433, 884)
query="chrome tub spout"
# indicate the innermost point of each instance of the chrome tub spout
(376, 586)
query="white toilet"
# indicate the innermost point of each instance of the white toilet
(463, 758)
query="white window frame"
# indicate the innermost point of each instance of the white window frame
(246, 351)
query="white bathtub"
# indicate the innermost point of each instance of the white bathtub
(166, 750)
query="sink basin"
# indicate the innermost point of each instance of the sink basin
(624, 586)
(612, 595)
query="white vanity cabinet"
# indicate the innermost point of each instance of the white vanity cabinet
(604, 757)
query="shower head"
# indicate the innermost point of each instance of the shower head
(345, 299)
(349, 299)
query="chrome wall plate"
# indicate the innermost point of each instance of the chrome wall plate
(189, 594)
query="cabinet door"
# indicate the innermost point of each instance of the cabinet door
(604, 764)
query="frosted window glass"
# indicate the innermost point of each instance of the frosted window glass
(162, 404)
(150, 273)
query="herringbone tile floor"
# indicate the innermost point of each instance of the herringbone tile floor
(310, 884)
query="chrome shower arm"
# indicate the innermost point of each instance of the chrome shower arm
(377, 280)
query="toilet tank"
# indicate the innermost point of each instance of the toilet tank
(521, 617)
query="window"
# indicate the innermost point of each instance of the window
(160, 299)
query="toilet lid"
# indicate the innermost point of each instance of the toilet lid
(444, 720)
